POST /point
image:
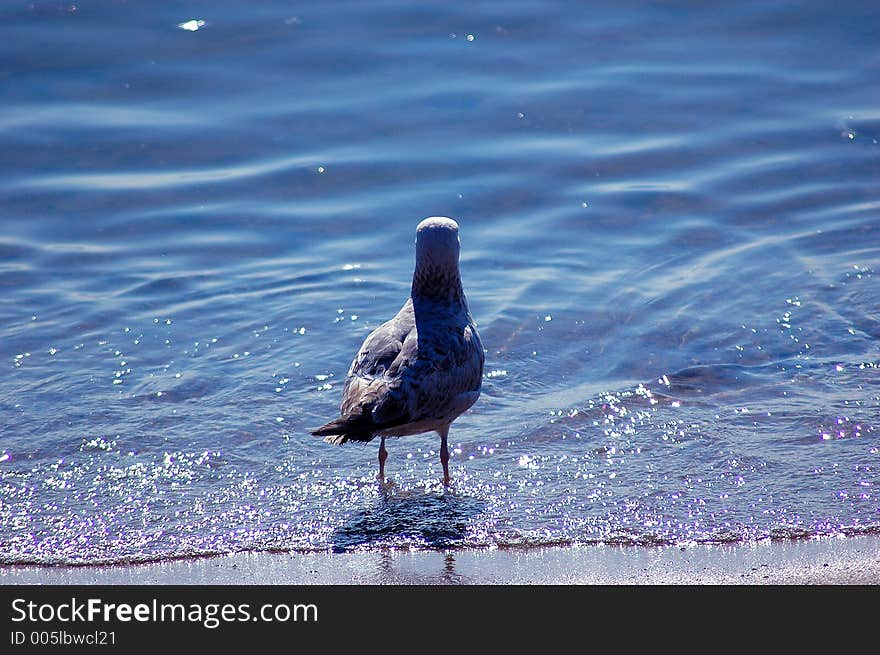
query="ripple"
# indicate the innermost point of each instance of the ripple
(100, 117)
(142, 180)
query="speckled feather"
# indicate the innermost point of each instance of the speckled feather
(422, 369)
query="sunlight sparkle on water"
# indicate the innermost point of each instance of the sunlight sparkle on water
(191, 25)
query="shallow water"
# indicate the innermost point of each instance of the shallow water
(670, 222)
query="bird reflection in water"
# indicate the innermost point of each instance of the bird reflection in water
(408, 518)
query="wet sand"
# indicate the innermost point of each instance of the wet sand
(831, 560)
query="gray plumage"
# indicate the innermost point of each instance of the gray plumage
(422, 369)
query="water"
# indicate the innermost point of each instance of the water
(670, 220)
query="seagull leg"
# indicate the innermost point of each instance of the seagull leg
(444, 453)
(383, 455)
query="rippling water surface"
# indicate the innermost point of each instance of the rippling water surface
(670, 220)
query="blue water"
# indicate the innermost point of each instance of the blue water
(670, 222)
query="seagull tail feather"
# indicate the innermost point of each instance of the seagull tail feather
(346, 428)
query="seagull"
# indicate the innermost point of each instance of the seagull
(422, 369)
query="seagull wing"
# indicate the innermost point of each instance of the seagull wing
(372, 398)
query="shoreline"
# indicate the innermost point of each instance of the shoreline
(819, 560)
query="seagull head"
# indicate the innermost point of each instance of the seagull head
(437, 241)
